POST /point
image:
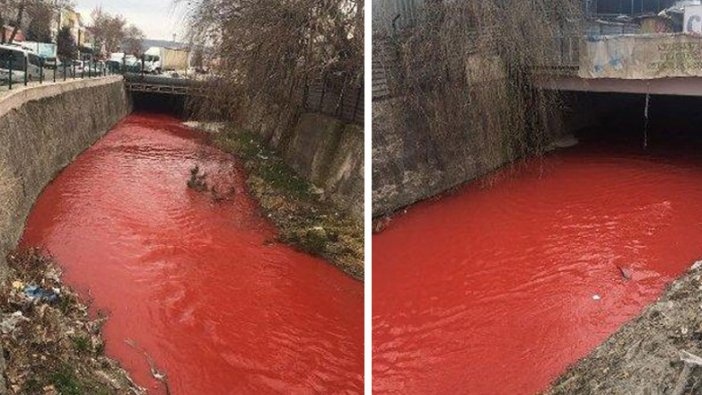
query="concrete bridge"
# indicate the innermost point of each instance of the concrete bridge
(164, 85)
(657, 64)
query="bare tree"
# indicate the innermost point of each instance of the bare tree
(39, 27)
(134, 40)
(267, 51)
(108, 30)
(465, 72)
(34, 15)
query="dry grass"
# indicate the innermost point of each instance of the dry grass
(302, 218)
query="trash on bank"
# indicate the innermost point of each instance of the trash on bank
(10, 321)
(38, 294)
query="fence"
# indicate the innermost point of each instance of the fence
(336, 97)
(18, 68)
(16, 71)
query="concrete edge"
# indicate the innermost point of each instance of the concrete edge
(18, 97)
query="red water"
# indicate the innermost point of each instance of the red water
(492, 290)
(193, 283)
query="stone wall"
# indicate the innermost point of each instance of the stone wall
(42, 129)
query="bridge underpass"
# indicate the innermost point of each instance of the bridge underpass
(679, 86)
(162, 94)
(641, 88)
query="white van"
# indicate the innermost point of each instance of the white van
(18, 57)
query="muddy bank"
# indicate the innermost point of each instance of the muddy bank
(646, 355)
(51, 344)
(305, 219)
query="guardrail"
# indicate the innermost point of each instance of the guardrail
(17, 71)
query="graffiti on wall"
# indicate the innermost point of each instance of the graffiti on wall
(644, 56)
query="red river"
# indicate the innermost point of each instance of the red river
(496, 289)
(192, 283)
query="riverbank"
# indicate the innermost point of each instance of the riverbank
(659, 352)
(299, 210)
(51, 344)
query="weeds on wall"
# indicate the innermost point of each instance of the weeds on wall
(265, 53)
(465, 73)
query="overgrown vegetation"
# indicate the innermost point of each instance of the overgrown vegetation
(265, 55)
(113, 33)
(303, 219)
(267, 52)
(51, 345)
(465, 71)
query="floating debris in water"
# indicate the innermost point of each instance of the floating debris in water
(626, 273)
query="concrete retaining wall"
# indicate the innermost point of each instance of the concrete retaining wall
(410, 166)
(329, 153)
(320, 148)
(42, 129)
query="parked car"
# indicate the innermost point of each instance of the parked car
(53, 63)
(16, 61)
(114, 66)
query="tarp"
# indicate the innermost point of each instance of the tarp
(641, 56)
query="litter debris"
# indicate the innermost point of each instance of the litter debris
(10, 321)
(626, 273)
(690, 358)
(596, 297)
(51, 344)
(38, 294)
(197, 181)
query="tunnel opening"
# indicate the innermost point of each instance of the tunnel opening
(631, 121)
(159, 103)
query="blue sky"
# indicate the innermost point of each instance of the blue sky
(159, 19)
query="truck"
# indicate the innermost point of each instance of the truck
(160, 59)
(128, 60)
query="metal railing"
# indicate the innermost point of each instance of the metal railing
(16, 72)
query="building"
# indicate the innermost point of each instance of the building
(8, 32)
(74, 21)
(630, 8)
(389, 15)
